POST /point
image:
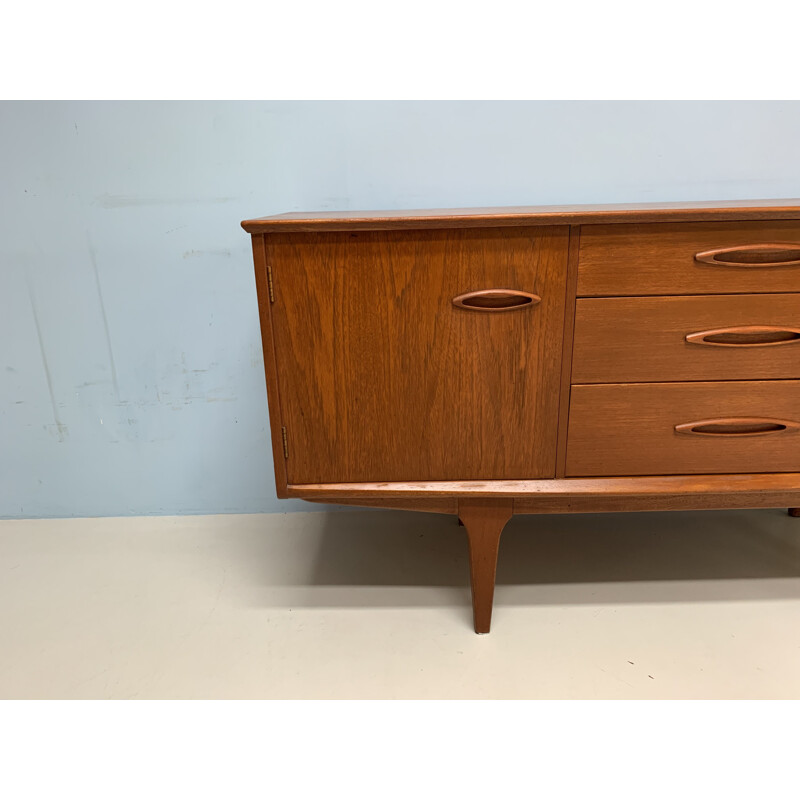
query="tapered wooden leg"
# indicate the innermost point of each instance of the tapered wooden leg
(794, 512)
(484, 519)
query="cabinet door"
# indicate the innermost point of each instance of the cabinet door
(383, 378)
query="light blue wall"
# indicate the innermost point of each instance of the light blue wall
(132, 378)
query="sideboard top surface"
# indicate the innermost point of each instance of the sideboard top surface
(701, 211)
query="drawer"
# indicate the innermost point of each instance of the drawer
(689, 258)
(728, 337)
(684, 428)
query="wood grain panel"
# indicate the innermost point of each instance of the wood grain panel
(383, 378)
(643, 339)
(659, 258)
(629, 429)
(524, 216)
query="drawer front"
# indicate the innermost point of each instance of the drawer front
(395, 364)
(684, 428)
(689, 258)
(730, 337)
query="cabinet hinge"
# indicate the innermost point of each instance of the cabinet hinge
(269, 285)
(285, 443)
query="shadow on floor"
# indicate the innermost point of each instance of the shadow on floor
(373, 558)
(581, 558)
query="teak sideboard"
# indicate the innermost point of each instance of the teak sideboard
(490, 362)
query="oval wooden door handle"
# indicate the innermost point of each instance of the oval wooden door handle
(496, 300)
(752, 255)
(746, 336)
(737, 426)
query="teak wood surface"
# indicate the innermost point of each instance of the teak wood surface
(382, 377)
(567, 349)
(573, 495)
(561, 490)
(484, 519)
(659, 259)
(630, 429)
(270, 364)
(645, 339)
(509, 216)
(534, 360)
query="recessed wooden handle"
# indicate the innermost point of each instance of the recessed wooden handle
(737, 426)
(496, 300)
(752, 255)
(746, 336)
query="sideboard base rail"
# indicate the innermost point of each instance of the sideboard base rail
(484, 507)
(655, 493)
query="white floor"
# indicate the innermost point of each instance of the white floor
(375, 604)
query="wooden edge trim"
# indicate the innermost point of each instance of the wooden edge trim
(566, 487)
(270, 365)
(588, 504)
(570, 305)
(663, 502)
(501, 220)
(434, 505)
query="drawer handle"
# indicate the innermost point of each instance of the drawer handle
(752, 255)
(496, 300)
(737, 426)
(746, 336)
